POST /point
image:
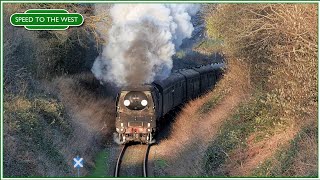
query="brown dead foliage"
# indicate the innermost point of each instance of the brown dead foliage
(90, 103)
(192, 131)
(50, 115)
(279, 43)
(243, 161)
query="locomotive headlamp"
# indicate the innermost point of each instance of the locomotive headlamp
(135, 100)
(144, 102)
(126, 102)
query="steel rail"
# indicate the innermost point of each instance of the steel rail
(116, 171)
(145, 162)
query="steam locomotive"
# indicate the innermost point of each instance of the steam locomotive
(139, 108)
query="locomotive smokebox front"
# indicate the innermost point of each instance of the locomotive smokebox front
(136, 120)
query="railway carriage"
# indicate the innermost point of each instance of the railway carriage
(140, 107)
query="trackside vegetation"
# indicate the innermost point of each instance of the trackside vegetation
(268, 131)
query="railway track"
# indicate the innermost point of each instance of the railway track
(132, 161)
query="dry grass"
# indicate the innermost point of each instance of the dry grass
(83, 96)
(92, 112)
(280, 47)
(242, 161)
(279, 44)
(192, 130)
(297, 158)
(272, 53)
(305, 161)
(44, 126)
(73, 116)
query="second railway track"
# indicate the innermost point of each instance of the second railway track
(132, 161)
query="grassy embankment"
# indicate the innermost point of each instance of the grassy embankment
(274, 130)
(47, 119)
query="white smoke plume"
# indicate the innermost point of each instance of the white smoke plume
(141, 41)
